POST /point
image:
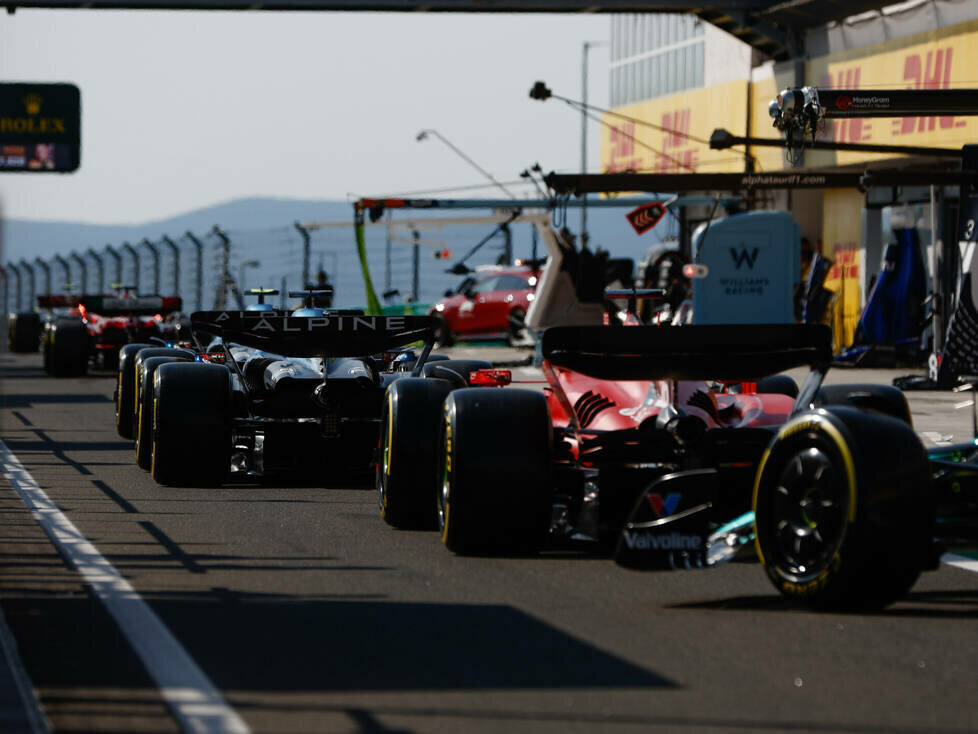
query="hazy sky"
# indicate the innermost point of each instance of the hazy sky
(185, 109)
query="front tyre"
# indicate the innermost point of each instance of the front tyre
(496, 486)
(843, 515)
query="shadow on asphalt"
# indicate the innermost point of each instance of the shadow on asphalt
(27, 400)
(964, 600)
(259, 642)
(249, 642)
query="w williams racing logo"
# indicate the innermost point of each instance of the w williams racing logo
(743, 256)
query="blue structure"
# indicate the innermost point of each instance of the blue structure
(893, 317)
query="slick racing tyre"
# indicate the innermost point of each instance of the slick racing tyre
(67, 345)
(884, 399)
(125, 390)
(25, 332)
(455, 371)
(496, 487)
(144, 408)
(843, 511)
(407, 470)
(191, 438)
(137, 372)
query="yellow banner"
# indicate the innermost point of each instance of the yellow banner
(942, 59)
(841, 242)
(629, 146)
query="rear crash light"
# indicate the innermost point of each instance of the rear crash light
(491, 377)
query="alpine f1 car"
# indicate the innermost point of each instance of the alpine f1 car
(76, 331)
(273, 393)
(678, 446)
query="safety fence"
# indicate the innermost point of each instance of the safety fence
(209, 270)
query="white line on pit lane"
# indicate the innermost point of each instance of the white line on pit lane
(195, 702)
(962, 562)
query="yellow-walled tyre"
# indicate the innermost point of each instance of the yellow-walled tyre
(144, 408)
(192, 413)
(843, 510)
(407, 468)
(124, 392)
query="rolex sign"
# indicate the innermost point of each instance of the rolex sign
(40, 128)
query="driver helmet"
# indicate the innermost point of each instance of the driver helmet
(309, 311)
(406, 357)
(260, 307)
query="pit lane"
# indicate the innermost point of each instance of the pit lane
(309, 614)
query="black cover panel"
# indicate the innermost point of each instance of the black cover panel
(131, 305)
(335, 334)
(726, 352)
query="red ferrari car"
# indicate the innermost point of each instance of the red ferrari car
(490, 305)
(84, 329)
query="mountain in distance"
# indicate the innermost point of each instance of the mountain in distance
(28, 239)
(267, 251)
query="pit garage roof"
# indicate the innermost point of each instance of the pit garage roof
(775, 28)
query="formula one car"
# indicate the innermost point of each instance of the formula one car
(678, 446)
(277, 393)
(84, 330)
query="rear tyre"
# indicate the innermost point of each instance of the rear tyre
(407, 470)
(25, 332)
(67, 347)
(843, 516)
(455, 371)
(884, 399)
(191, 439)
(778, 385)
(124, 390)
(496, 486)
(137, 373)
(144, 410)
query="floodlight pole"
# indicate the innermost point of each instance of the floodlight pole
(306, 239)
(84, 271)
(588, 45)
(175, 251)
(17, 293)
(415, 266)
(67, 268)
(99, 267)
(6, 288)
(199, 286)
(135, 261)
(226, 280)
(156, 263)
(47, 274)
(30, 270)
(117, 259)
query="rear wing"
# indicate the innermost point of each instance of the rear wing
(130, 305)
(335, 334)
(726, 352)
(57, 300)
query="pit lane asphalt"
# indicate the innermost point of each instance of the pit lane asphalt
(311, 615)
